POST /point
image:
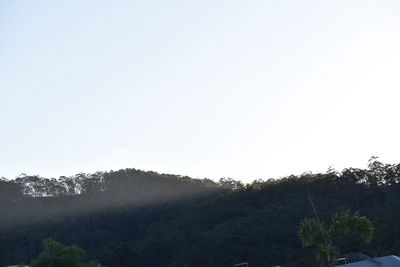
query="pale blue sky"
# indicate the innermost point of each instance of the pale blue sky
(245, 89)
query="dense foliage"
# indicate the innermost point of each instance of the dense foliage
(55, 254)
(135, 218)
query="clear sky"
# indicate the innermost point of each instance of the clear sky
(242, 89)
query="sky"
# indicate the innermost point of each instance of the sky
(241, 89)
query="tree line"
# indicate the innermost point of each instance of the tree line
(136, 218)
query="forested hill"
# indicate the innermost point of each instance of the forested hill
(135, 218)
(43, 200)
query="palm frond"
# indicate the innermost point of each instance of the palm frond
(346, 222)
(310, 232)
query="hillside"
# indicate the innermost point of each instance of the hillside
(135, 218)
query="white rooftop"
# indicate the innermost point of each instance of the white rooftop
(386, 261)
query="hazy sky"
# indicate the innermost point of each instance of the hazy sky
(242, 89)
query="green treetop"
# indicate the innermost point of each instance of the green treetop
(55, 254)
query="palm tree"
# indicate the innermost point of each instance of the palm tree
(313, 232)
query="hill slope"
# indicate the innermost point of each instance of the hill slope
(135, 218)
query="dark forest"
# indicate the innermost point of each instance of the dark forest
(139, 218)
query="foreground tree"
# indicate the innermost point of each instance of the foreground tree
(55, 254)
(323, 236)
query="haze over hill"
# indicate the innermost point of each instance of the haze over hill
(300, 91)
(135, 218)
